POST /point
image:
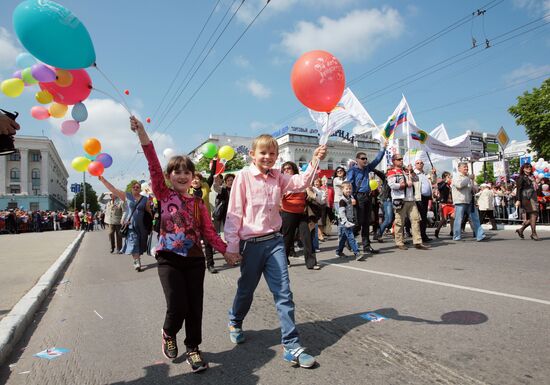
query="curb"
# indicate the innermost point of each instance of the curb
(13, 325)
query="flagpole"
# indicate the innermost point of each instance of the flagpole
(315, 160)
(430, 159)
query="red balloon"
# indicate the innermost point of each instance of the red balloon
(318, 80)
(148, 120)
(220, 167)
(74, 93)
(96, 168)
(127, 92)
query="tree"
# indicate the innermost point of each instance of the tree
(91, 199)
(533, 112)
(513, 165)
(480, 178)
(235, 164)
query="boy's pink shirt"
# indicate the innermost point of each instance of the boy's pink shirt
(255, 201)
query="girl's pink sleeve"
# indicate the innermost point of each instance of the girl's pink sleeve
(207, 230)
(158, 183)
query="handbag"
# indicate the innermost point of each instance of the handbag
(397, 204)
(126, 226)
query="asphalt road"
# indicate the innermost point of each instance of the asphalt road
(461, 313)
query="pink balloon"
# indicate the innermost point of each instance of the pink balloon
(40, 113)
(69, 127)
(76, 92)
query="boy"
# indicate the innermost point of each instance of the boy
(346, 222)
(252, 230)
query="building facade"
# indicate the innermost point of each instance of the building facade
(296, 144)
(34, 177)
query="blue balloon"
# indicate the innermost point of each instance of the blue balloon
(105, 159)
(91, 157)
(304, 167)
(52, 34)
(25, 60)
(79, 112)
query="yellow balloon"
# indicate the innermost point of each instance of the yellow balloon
(64, 78)
(12, 87)
(80, 163)
(226, 152)
(43, 97)
(57, 110)
(373, 183)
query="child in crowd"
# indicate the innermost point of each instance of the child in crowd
(252, 230)
(346, 222)
(184, 219)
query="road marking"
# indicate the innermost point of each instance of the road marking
(98, 314)
(439, 283)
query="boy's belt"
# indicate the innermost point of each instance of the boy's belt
(264, 237)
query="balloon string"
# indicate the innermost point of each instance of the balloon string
(121, 98)
(317, 161)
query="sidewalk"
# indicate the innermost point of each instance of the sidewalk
(31, 263)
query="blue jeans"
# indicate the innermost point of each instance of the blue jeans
(267, 258)
(346, 234)
(388, 217)
(315, 238)
(460, 209)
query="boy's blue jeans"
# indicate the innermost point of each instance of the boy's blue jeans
(388, 217)
(346, 234)
(267, 258)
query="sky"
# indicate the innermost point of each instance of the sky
(140, 45)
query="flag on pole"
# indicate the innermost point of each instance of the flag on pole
(349, 109)
(454, 148)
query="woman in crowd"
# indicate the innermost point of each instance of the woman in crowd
(337, 180)
(486, 205)
(526, 192)
(223, 188)
(445, 200)
(135, 242)
(294, 217)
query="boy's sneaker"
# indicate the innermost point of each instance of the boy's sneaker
(169, 346)
(194, 358)
(298, 357)
(359, 256)
(137, 265)
(236, 335)
(340, 254)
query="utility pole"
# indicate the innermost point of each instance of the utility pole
(84, 187)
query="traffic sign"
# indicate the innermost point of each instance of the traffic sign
(489, 158)
(503, 137)
(524, 159)
(75, 187)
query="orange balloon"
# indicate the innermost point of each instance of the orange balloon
(92, 146)
(318, 80)
(63, 78)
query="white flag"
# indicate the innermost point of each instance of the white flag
(454, 148)
(348, 110)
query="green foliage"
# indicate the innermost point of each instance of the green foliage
(91, 199)
(513, 165)
(533, 112)
(235, 164)
(480, 178)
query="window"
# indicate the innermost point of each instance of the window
(15, 156)
(36, 190)
(344, 163)
(35, 157)
(15, 175)
(15, 189)
(35, 173)
(330, 164)
(302, 162)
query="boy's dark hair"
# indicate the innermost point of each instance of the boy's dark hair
(198, 175)
(227, 176)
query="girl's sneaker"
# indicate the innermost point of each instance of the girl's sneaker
(194, 358)
(137, 265)
(169, 346)
(298, 356)
(236, 335)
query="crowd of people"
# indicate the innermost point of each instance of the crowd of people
(16, 221)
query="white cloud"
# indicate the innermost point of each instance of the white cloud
(8, 50)
(256, 88)
(251, 8)
(354, 36)
(469, 124)
(241, 61)
(534, 6)
(526, 71)
(108, 122)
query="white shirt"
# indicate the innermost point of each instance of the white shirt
(425, 183)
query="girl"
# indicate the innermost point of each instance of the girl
(184, 219)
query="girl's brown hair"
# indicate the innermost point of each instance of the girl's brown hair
(180, 162)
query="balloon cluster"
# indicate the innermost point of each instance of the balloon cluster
(58, 87)
(95, 161)
(224, 153)
(542, 168)
(55, 37)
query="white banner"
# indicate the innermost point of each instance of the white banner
(348, 110)
(458, 147)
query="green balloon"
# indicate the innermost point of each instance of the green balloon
(209, 150)
(27, 77)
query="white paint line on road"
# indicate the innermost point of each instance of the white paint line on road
(429, 281)
(98, 314)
